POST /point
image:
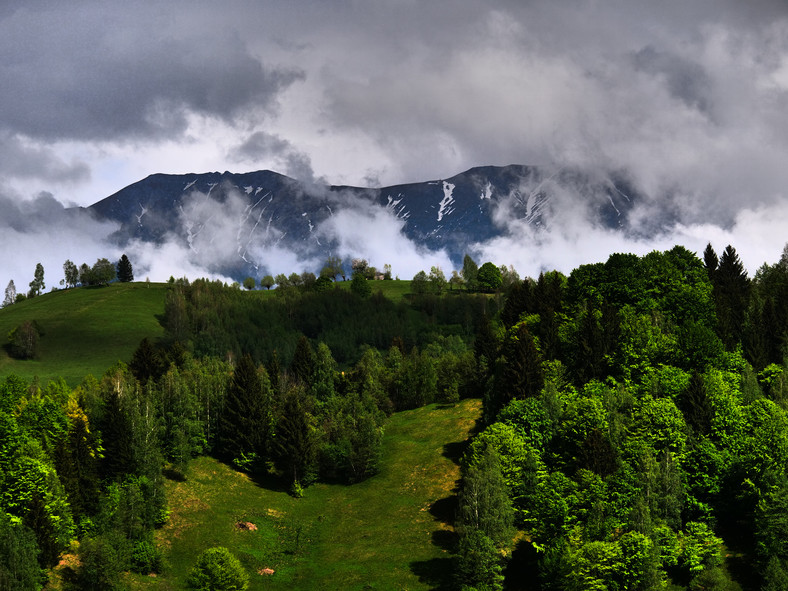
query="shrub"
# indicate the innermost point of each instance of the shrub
(218, 570)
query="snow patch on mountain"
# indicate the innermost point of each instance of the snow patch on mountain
(446, 202)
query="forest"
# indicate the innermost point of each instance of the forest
(633, 433)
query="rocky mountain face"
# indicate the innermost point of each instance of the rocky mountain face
(237, 224)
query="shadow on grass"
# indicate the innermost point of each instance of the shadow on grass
(445, 509)
(436, 572)
(173, 474)
(455, 450)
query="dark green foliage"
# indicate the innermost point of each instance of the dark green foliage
(19, 568)
(360, 286)
(23, 340)
(775, 577)
(469, 272)
(249, 283)
(479, 563)
(37, 285)
(101, 273)
(218, 570)
(303, 365)
(101, 563)
(295, 446)
(125, 272)
(245, 424)
(147, 362)
(695, 405)
(710, 261)
(731, 290)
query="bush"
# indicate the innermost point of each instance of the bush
(146, 558)
(23, 340)
(218, 570)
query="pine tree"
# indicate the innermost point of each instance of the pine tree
(710, 260)
(245, 423)
(731, 294)
(294, 445)
(125, 272)
(303, 365)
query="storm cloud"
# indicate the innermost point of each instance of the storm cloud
(687, 100)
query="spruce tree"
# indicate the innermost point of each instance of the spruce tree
(303, 365)
(710, 260)
(294, 445)
(125, 273)
(731, 295)
(245, 423)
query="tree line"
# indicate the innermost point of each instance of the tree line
(101, 272)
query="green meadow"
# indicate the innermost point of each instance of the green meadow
(392, 531)
(83, 330)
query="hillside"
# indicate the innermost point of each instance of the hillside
(336, 537)
(84, 330)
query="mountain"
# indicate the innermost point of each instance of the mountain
(238, 224)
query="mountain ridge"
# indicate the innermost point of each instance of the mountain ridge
(236, 223)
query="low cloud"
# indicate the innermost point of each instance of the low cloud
(262, 146)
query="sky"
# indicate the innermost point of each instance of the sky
(689, 100)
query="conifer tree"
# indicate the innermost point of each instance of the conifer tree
(125, 272)
(710, 260)
(303, 364)
(731, 294)
(294, 445)
(245, 423)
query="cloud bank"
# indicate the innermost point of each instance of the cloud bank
(686, 99)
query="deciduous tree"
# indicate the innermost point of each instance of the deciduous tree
(10, 294)
(37, 285)
(71, 273)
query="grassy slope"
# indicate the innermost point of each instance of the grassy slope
(390, 532)
(85, 330)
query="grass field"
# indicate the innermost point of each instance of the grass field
(392, 531)
(84, 330)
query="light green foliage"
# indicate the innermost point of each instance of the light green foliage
(700, 548)
(530, 419)
(218, 570)
(484, 504)
(437, 279)
(626, 563)
(661, 425)
(552, 509)
(489, 277)
(511, 449)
